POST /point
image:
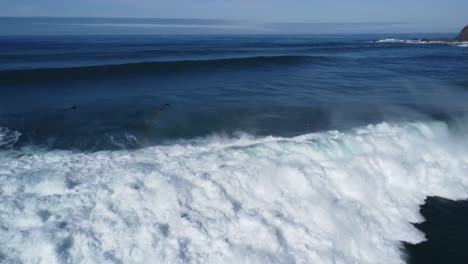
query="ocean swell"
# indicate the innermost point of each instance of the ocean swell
(332, 197)
(162, 67)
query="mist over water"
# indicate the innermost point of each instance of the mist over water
(261, 149)
(98, 26)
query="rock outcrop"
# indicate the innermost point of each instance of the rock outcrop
(463, 36)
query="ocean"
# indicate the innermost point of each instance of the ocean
(233, 149)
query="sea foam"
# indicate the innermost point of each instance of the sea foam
(334, 197)
(8, 137)
(420, 41)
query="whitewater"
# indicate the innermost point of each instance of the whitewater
(461, 44)
(331, 197)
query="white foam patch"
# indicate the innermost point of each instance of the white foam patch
(419, 41)
(7, 137)
(412, 41)
(336, 197)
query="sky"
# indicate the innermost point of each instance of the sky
(250, 16)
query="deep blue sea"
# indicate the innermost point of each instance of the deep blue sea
(233, 149)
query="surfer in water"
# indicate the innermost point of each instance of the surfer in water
(73, 107)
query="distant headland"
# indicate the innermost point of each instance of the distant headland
(461, 39)
(463, 36)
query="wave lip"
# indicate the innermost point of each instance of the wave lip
(344, 197)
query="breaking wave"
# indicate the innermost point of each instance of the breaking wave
(332, 197)
(422, 41)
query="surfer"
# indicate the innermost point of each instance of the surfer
(73, 107)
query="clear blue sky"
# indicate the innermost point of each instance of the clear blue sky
(405, 15)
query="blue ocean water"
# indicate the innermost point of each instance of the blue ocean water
(129, 138)
(270, 85)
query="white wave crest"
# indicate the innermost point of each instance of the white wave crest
(320, 198)
(420, 41)
(412, 41)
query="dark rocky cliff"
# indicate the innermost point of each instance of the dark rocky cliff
(463, 36)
